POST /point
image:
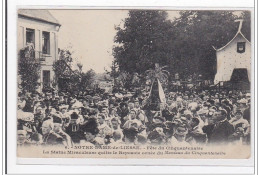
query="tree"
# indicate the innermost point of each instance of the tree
(66, 77)
(70, 80)
(114, 73)
(86, 80)
(62, 66)
(184, 45)
(28, 69)
(143, 41)
(195, 34)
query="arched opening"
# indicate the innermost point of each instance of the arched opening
(239, 75)
(239, 79)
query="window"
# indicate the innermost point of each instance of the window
(46, 78)
(30, 36)
(46, 42)
(241, 47)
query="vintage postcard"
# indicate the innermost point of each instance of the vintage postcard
(139, 83)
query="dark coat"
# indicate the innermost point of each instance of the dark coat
(75, 132)
(208, 129)
(221, 132)
(122, 113)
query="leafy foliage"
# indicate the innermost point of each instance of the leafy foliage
(114, 73)
(143, 41)
(62, 67)
(184, 44)
(28, 69)
(86, 80)
(71, 80)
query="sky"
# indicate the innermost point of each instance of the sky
(89, 34)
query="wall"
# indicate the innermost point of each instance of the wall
(228, 59)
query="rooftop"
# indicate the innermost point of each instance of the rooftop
(39, 14)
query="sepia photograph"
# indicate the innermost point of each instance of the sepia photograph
(138, 83)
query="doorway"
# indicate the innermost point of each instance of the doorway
(46, 78)
(239, 75)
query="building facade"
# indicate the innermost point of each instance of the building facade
(234, 60)
(39, 29)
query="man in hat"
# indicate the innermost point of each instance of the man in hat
(157, 121)
(179, 137)
(242, 104)
(130, 135)
(28, 104)
(49, 136)
(209, 126)
(140, 114)
(112, 113)
(61, 98)
(222, 128)
(132, 119)
(38, 118)
(137, 105)
(55, 102)
(115, 123)
(103, 128)
(168, 115)
(74, 128)
(85, 109)
(131, 106)
(85, 103)
(157, 137)
(96, 99)
(48, 100)
(57, 123)
(90, 131)
(122, 111)
(65, 116)
(238, 137)
(202, 116)
(195, 134)
(22, 138)
(193, 107)
(26, 122)
(239, 119)
(117, 137)
(76, 107)
(21, 101)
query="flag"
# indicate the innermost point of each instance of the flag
(161, 93)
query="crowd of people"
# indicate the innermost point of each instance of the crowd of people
(99, 118)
